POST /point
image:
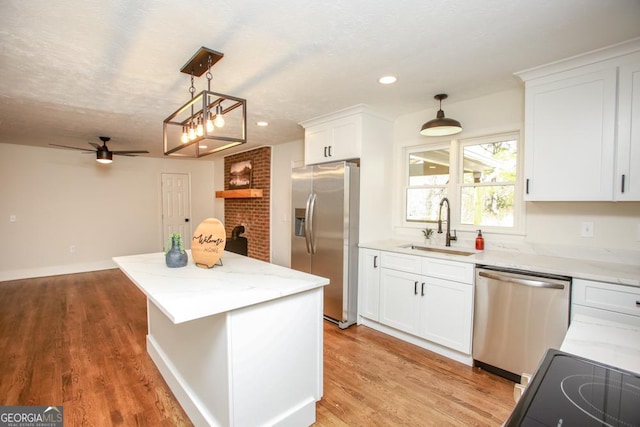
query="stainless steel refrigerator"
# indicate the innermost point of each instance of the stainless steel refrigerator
(324, 238)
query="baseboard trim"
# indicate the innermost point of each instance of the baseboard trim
(56, 270)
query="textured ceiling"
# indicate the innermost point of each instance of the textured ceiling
(73, 70)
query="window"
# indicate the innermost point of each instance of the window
(478, 176)
(488, 182)
(428, 182)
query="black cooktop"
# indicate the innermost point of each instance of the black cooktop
(568, 390)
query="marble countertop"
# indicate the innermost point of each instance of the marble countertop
(192, 292)
(613, 343)
(610, 272)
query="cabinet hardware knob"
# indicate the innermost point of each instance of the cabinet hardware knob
(375, 261)
(415, 287)
(527, 187)
(622, 184)
(422, 289)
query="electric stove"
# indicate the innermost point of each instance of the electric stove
(569, 390)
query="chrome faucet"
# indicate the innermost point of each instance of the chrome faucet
(449, 237)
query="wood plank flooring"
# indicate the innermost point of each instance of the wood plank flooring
(79, 341)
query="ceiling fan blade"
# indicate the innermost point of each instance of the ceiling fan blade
(73, 148)
(126, 152)
(94, 145)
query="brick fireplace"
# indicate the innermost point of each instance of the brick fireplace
(252, 213)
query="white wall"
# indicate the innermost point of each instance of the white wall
(63, 198)
(548, 224)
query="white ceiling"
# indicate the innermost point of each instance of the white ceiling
(73, 70)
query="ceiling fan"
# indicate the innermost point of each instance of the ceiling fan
(103, 154)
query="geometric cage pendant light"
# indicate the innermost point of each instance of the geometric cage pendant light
(441, 125)
(209, 122)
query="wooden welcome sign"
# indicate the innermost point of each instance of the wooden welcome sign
(208, 243)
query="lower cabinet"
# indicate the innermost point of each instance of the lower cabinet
(369, 283)
(413, 297)
(446, 314)
(610, 301)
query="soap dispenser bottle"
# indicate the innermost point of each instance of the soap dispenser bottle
(480, 241)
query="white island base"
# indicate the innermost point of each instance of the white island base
(253, 365)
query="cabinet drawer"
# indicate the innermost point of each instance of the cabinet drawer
(408, 263)
(449, 270)
(607, 296)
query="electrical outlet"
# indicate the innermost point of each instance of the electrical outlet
(12, 218)
(586, 229)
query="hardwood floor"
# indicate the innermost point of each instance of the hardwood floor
(79, 341)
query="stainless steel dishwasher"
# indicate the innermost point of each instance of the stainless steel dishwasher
(518, 315)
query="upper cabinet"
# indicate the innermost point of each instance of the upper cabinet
(340, 135)
(582, 131)
(339, 139)
(628, 162)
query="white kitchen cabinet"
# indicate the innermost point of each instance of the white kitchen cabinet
(339, 139)
(578, 113)
(446, 313)
(428, 297)
(369, 283)
(628, 163)
(400, 300)
(569, 137)
(609, 301)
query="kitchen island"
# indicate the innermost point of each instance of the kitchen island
(239, 344)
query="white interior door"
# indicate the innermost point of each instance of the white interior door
(176, 207)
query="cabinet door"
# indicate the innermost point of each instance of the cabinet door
(316, 141)
(399, 300)
(570, 137)
(627, 181)
(369, 284)
(336, 140)
(446, 313)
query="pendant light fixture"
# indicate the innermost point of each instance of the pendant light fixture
(441, 126)
(204, 125)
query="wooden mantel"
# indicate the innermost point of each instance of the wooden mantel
(245, 193)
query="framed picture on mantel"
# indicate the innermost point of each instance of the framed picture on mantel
(240, 175)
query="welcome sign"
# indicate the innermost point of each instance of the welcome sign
(208, 243)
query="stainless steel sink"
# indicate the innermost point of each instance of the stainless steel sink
(439, 250)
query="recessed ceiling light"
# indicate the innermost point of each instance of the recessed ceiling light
(262, 123)
(387, 80)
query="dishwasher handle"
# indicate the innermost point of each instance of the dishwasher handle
(520, 281)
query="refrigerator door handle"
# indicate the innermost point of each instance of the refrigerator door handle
(308, 224)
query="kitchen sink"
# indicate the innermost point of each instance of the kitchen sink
(439, 250)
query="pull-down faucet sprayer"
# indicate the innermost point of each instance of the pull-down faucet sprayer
(449, 237)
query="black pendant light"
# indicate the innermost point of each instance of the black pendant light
(441, 126)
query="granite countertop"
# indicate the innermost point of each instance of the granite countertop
(612, 343)
(192, 292)
(610, 272)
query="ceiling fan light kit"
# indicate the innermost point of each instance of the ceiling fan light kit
(209, 122)
(441, 125)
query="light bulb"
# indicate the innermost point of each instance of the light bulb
(219, 120)
(210, 126)
(192, 133)
(199, 128)
(185, 136)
